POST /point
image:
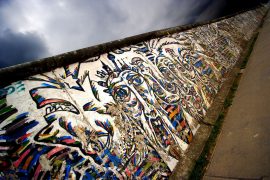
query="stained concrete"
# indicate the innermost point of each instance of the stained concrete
(243, 148)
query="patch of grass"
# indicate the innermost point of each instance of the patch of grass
(229, 99)
(227, 103)
(204, 159)
(205, 156)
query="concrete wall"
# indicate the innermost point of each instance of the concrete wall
(128, 113)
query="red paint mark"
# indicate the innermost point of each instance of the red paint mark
(153, 159)
(48, 101)
(24, 137)
(142, 173)
(170, 109)
(37, 171)
(54, 150)
(18, 162)
(34, 94)
(128, 172)
(68, 141)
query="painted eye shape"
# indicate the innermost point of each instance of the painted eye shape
(171, 87)
(171, 66)
(137, 80)
(163, 69)
(158, 90)
(121, 94)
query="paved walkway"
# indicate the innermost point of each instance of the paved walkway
(243, 147)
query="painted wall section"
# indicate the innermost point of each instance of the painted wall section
(129, 113)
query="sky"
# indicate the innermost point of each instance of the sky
(35, 29)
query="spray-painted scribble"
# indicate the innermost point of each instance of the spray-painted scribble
(15, 87)
(127, 114)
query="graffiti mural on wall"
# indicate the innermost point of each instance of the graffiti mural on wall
(130, 113)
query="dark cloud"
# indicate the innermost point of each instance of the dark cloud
(17, 48)
(232, 6)
(68, 25)
(211, 10)
(181, 13)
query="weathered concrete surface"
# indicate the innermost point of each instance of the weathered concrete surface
(130, 113)
(243, 149)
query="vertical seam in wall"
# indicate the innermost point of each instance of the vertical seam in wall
(79, 108)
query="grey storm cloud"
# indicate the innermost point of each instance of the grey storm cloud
(63, 26)
(20, 47)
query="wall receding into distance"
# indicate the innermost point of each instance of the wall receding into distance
(128, 113)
